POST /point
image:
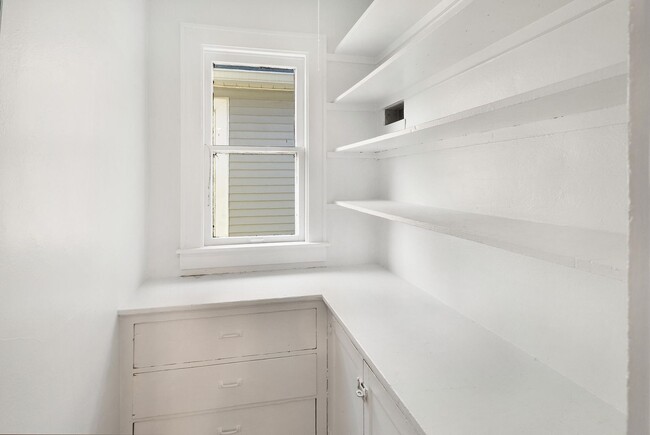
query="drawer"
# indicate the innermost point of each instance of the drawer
(206, 339)
(219, 386)
(294, 418)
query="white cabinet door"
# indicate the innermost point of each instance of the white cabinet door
(381, 414)
(345, 409)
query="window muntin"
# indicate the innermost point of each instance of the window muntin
(256, 155)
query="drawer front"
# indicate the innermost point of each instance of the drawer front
(220, 386)
(206, 339)
(294, 418)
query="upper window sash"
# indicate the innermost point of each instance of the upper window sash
(254, 58)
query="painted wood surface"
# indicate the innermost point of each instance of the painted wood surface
(373, 413)
(223, 337)
(385, 23)
(639, 177)
(588, 92)
(599, 252)
(278, 419)
(381, 415)
(183, 393)
(573, 321)
(345, 366)
(456, 31)
(221, 386)
(426, 354)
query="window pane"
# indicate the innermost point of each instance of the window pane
(253, 195)
(253, 106)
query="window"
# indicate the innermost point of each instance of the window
(257, 155)
(252, 160)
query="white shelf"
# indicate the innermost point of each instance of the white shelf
(384, 23)
(600, 89)
(598, 252)
(455, 36)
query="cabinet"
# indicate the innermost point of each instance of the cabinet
(359, 404)
(245, 370)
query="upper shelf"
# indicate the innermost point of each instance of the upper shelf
(383, 24)
(592, 91)
(454, 36)
(598, 252)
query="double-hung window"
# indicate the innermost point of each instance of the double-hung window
(251, 150)
(257, 153)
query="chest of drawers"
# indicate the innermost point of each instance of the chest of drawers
(240, 370)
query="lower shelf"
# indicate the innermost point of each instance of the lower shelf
(599, 252)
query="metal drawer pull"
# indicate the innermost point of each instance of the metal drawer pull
(235, 334)
(223, 431)
(232, 384)
(362, 391)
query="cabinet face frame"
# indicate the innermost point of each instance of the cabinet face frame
(379, 402)
(345, 361)
(127, 324)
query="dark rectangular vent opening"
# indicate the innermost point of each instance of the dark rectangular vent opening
(394, 113)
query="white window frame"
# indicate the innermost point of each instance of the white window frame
(199, 45)
(242, 57)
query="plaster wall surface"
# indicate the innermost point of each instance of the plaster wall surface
(572, 321)
(576, 178)
(72, 207)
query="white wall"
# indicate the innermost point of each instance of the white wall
(570, 171)
(165, 16)
(72, 177)
(353, 236)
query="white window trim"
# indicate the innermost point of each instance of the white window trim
(195, 255)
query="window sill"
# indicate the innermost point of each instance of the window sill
(250, 257)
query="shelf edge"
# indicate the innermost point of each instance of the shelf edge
(617, 70)
(558, 18)
(583, 264)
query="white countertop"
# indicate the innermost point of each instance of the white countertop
(453, 376)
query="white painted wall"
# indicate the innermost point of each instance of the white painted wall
(574, 177)
(165, 17)
(72, 177)
(573, 321)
